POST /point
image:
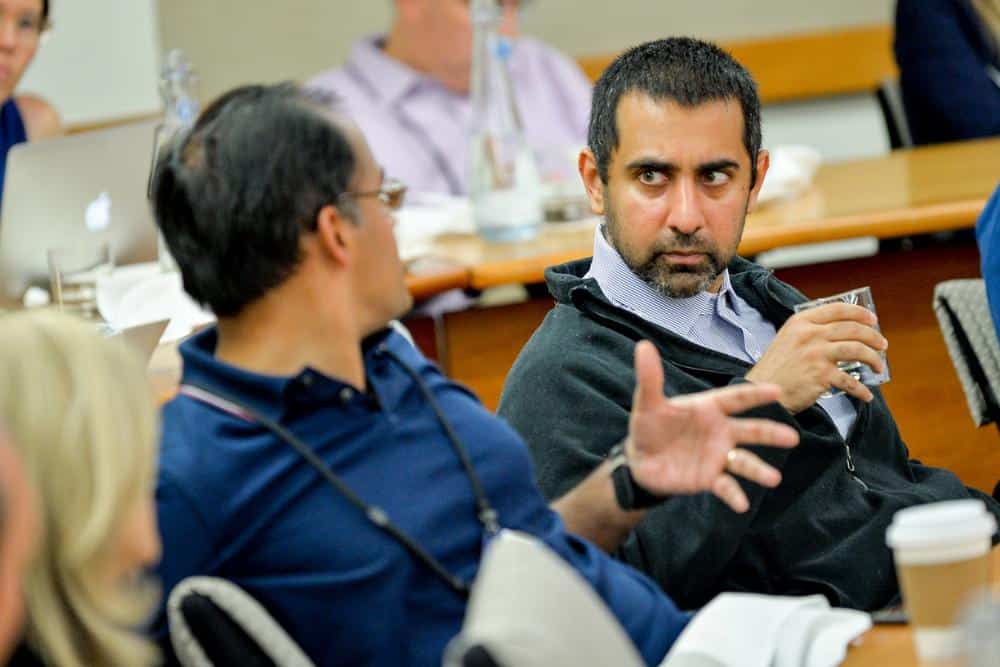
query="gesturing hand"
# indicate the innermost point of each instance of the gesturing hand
(687, 444)
(802, 358)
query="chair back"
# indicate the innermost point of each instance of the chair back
(890, 101)
(967, 327)
(215, 623)
(529, 608)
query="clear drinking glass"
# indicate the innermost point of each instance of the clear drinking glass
(862, 296)
(73, 272)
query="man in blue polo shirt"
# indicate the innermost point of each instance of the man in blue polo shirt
(315, 458)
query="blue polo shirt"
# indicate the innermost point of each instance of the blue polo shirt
(236, 502)
(988, 238)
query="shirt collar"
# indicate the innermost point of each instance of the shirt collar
(268, 395)
(627, 290)
(388, 77)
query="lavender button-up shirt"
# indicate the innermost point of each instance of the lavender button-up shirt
(418, 129)
(721, 322)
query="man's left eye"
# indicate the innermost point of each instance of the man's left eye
(649, 177)
(716, 178)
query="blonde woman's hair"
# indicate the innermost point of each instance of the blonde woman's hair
(82, 417)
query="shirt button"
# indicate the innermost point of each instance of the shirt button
(306, 380)
(346, 394)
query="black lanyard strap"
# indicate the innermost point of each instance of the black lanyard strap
(487, 515)
(376, 515)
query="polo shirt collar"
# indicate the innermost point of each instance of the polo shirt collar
(388, 77)
(270, 396)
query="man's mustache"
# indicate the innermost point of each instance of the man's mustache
(688, 243)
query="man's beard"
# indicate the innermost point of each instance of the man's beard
(674, 281)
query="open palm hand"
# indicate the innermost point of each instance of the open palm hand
(687, 444)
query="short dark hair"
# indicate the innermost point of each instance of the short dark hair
(684, 70)
(45, 13)
(234, 195)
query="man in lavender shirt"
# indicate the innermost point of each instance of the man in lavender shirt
(409, 92)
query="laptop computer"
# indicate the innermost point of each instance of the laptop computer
(80, 189)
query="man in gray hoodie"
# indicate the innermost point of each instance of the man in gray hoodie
(674, 164)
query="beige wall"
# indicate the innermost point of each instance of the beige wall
(601, 26)
(80, 68)
(238, 41)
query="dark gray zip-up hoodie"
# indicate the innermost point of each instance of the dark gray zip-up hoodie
(821, 531)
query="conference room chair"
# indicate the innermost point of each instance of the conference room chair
(528, 608)
(215, 623)
(890, 101)
(969, 333)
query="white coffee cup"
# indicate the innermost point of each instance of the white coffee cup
(942, 558)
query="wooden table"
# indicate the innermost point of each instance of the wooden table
(892, 645)
(906, 193)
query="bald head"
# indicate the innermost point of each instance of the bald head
(434, 37)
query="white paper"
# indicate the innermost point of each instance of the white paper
(141, 293)
(747, 630)
(790, 172)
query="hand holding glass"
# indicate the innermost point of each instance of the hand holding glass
(861, 296)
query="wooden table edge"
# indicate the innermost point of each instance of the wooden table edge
(884, 225)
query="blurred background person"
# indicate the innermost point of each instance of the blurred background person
(948, 52)
(18, 538)
(408, 90)
(22, 117)
(82, 419)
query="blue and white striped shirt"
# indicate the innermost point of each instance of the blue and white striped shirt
(721, 322)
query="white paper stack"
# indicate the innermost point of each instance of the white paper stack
(747, 630)
(141, 294)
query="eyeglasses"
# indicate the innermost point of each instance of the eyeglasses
(392, 193)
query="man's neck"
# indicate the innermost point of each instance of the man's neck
(400, 46)
(409, 49)
(278, 335)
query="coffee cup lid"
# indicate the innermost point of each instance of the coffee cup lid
(943, 523)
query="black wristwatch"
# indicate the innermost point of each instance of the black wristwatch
(628, 493)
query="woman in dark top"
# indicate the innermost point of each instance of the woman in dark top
(22, 117)
(948, 53)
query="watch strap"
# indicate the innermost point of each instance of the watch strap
(629, 494)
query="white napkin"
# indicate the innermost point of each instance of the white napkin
(141, 293)
(427, 216)
(790, 173)
(747, 630)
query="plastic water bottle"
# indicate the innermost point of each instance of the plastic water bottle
(980, 623)
(505, 185)
(177, 88)
(178, 84)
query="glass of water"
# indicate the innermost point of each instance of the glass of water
(73, 273)
(862, 296)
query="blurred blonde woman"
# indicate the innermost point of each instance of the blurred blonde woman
(79, 410)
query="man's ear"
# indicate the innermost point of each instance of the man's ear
(335, 234)
(763, 162)
(587, 164)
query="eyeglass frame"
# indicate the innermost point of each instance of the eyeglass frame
(392, 193)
